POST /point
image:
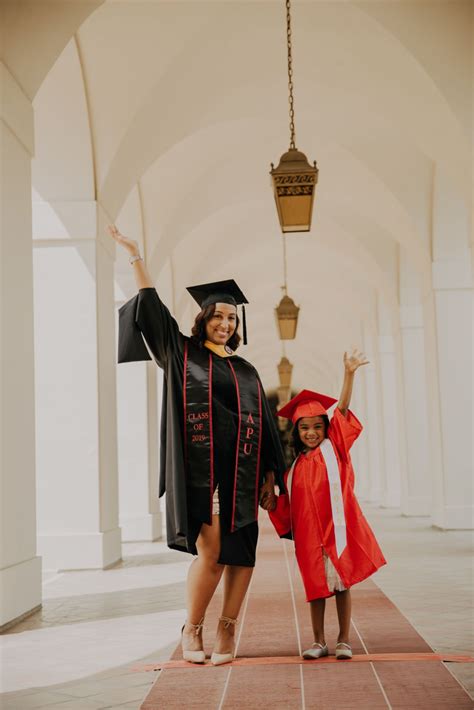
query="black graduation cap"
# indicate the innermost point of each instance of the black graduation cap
(220, 292)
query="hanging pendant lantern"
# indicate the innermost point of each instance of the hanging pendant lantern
(287, 318)
(294, 179)
(294, 183)
(285, 368)
(287, 311)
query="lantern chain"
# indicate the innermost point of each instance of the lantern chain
(290, 76)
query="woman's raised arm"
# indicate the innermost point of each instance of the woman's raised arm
(142, 277)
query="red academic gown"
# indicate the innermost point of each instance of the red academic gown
(308, 517)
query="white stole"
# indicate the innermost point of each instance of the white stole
(335, 492)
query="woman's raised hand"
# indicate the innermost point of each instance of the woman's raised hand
(354, 360)
(129, 245)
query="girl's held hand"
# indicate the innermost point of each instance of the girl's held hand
(129, 245)
(268, 499)
(354, 360)
(269, 503)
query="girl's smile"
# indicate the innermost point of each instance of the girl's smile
(312, 431)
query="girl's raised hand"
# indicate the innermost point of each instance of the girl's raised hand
(354, 360)
(129, 245)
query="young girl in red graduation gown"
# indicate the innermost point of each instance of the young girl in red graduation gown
(334, 545)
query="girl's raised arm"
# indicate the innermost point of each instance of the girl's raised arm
(351, 363)
(142, 277)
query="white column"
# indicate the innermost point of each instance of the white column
(416, 485)
(75, 389)
(20, 568)
(453, 295)
(454, 324)
(137, 402)
(374, 424)
(392, 408)
(435, 446)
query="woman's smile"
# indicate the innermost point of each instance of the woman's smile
(222, 325)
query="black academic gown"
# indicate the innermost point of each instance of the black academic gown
(145, 315)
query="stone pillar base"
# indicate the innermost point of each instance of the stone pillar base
(375, 495)
(413, 506)
(390, 499)
(20, 590)
(141, 528)
(81, 551)
(454, 517)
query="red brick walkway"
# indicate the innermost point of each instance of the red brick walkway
(275, 622)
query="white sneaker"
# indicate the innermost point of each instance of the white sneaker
(317, 650)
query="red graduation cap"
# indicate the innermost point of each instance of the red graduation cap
(306, 404)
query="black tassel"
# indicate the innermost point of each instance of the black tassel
(244, 324)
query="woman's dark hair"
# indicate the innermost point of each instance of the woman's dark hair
(295, 441)
(199, 328)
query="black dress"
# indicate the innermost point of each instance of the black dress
(146, 315)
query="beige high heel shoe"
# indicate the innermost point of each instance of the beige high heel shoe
(194, 656)
(217, 659)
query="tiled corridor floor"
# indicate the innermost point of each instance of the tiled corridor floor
(78, 651)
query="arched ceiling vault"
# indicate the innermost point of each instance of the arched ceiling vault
(347, 188)
(248, 84)
(252, 89)
(450, 28)
(35, 33)
(259, 262)
(187, 102)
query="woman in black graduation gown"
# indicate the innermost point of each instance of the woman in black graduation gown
(220, 451)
